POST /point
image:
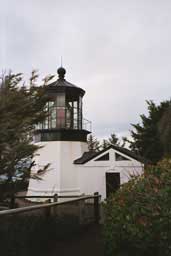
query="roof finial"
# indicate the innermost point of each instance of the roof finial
(61, 72)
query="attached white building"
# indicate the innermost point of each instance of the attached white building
(63, 135)
(105, 171)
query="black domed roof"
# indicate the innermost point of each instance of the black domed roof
(61, 85)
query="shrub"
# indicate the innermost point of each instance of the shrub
(138, 216)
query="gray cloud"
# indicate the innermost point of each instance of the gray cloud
(118, 51)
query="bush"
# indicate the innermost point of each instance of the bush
(138, 216)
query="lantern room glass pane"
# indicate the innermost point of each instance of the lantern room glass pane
(75, 115)
(80, 113)
(65, 111)
(60, 117)
(53, 117)
(57, 111)
(60, 100)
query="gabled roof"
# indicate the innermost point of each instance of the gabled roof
(87, 156)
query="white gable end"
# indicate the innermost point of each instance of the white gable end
(101, 159)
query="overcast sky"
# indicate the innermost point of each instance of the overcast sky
(119, 51)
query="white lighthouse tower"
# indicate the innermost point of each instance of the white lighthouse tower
(63, 138)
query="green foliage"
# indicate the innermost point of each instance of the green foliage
(93, 143)
(138, 216)
(113, 140)
(165, 131)
(21, 108)
(150, 138)
(104, 144)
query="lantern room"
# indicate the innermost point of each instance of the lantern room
(65, 114)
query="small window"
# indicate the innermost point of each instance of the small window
(121, 158)
(103, 158)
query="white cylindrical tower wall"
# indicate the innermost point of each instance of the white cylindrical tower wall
(62, 176)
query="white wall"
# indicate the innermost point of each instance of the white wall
(62, 177)
(49, 153)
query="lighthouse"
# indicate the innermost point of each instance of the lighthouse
(62, 137)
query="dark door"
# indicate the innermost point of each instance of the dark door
(112, 182)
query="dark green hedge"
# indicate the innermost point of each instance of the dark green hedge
(138, 216)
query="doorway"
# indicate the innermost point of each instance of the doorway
(112, 182)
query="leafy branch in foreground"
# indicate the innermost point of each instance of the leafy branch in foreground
(21, 108)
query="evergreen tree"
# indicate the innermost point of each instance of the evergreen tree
(21, 108)
(105, 144)
(113, 139)
(93, 143)
(147, 139)
(165, 132)
(124, 141)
